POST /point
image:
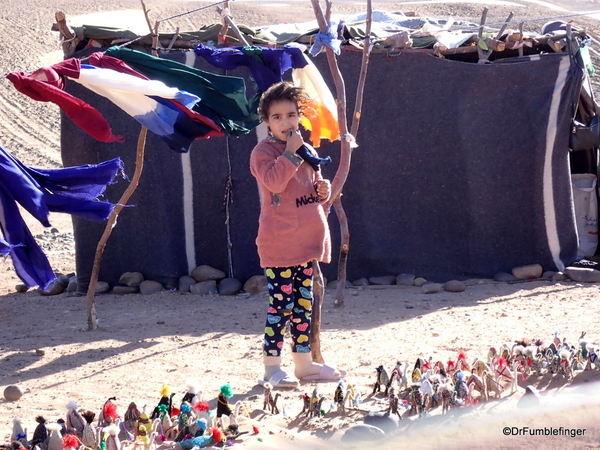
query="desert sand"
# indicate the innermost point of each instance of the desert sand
(146, 342)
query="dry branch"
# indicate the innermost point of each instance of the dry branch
(112, 220)
(236, 30)
(342, 171)
(69, 39)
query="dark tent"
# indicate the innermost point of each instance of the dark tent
(462, 171)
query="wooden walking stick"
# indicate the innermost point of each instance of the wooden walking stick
(337, 201)
(112, 219)
(342, 171)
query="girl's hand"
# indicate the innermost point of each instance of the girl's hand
(294, 141)
(323, 188)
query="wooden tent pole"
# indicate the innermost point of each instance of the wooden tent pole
(139, 165)
(112, 219)
(337, 204)
(340, 176)
(69, 40)
(229, 21)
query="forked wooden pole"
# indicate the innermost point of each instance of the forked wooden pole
(341, 173)
(337, 204)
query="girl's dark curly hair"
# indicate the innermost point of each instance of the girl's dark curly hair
(285, 91)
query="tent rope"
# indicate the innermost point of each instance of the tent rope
(193, 10)
(227, 200)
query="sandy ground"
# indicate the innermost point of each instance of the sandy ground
(145, 342)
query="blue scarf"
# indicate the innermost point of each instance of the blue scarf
(72, 190)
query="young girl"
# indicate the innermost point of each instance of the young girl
(292, 232)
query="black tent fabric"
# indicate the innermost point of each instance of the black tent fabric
(462, 171)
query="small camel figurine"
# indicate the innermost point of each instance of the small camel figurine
(270, 401)
(381, 380)
(399, 373)
(393, 404)
(305, 404)
(339, 397)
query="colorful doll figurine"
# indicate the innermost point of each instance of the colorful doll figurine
(90, 434)
(223, 407)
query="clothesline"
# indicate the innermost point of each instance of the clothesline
(193, 10)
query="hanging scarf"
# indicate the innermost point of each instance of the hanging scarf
(47, 85)
(267, 65)
(153, 104)
(223, 97)
(72, 190)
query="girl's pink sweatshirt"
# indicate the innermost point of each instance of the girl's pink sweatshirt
(292, 227)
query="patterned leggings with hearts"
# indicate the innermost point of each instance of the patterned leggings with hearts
(290, 301)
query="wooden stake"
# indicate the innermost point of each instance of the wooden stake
(69, 40)
(483, 55)
(506, 22)
(112, 220)
(337, 204)
(235, 29)
(222, 38)
(521, 40)
(342, 171)
(175, 35)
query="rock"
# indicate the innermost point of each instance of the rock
(207, 287)
(72, 286)
(148, 287)
(21, 288)
(431, 288)
(527, 272)
(419, 281)
(63, 279)
(102, 287)
(334, 284)
(125, 289)
(559, 276)
(360, 282)
(184, 283)
(454, 286)
(386, 280)
(229, 286)
(548, 275)
(13, 393)
(204, 273)
(384, 421)
(256, 284)
(56, 287)
(362, 432)
(405, 279)
(503, 276)
(583, 274)
(131, 279)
